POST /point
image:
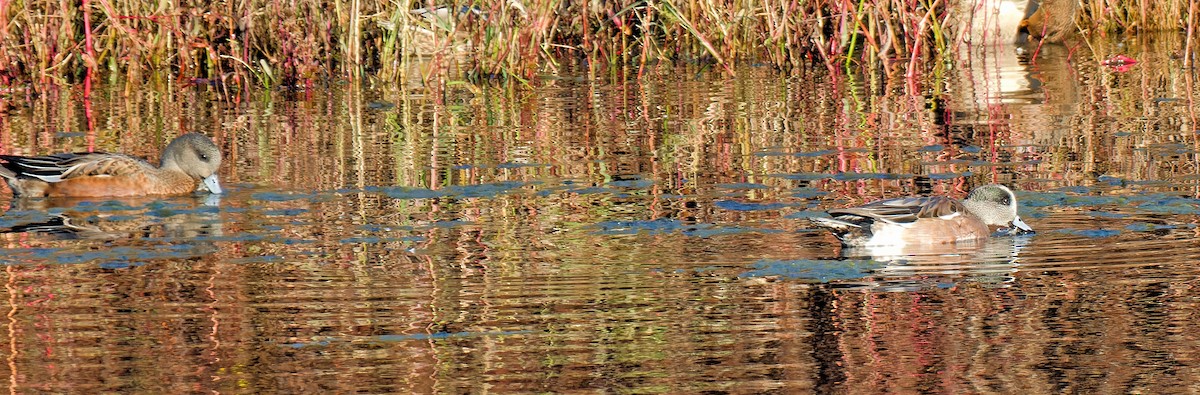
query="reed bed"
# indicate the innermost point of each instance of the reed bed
(298, 42)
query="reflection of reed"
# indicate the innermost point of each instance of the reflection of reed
(1051, 343)
(315, 263)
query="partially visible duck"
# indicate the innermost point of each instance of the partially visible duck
(188, 160)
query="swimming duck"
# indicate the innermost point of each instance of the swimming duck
(927, 220)
(187, 160)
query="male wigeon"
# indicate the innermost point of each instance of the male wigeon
(187, 160)
(927, 220)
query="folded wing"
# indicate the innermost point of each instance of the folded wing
(902, 210)
(59, 167)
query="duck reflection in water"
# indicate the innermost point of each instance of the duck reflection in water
(185, 218)
(993, 262)
(997, 256)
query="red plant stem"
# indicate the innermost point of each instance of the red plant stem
(246, 32)
(3, 35)
(1187, 46)
(587, 34)
(1042, 40)
(1188, 76)
(90, 50)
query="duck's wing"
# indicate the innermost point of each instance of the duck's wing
(904, 210)
(58, 167)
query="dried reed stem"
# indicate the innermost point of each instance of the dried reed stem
(269, 42)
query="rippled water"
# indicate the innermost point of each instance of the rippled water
(634, 236)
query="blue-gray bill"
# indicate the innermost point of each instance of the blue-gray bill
(1019, 227)
(210, 184)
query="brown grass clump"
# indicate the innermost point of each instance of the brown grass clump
(298, 42)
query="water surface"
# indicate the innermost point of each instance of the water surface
(610, 235)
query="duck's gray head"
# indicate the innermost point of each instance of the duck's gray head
(197, 156)
(997, 206)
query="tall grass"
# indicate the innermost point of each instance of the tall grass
(298, 42)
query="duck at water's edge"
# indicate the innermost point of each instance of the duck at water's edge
(934, 220)
(188, 160)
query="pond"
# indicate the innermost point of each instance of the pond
(610, 234)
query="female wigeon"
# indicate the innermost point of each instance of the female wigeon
(927, 220)
(188, 159)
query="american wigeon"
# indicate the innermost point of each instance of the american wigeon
(187, 160)
(927, 220)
